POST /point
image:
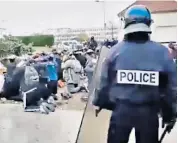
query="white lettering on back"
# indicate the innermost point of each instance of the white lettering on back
(138, 77)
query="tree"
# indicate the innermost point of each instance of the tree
(38, 40)
(11, 45)
(83, 37)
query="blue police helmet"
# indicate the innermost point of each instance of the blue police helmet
(137, 19)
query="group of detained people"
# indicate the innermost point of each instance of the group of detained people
(75, 69)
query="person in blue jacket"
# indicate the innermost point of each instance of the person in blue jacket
(52, 75)
(134, 71)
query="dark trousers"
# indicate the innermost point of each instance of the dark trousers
(11, 89)
(126, 117)
(52, 86)
(34, 97)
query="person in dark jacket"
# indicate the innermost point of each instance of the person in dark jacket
(57, 58)
(10, 86)
(81, 58)
(173, 50)
(11, 66)
(92, 44)
(114, 42)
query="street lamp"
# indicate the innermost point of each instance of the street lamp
(104, 15)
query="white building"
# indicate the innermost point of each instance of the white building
(62, 34)
(164, 15)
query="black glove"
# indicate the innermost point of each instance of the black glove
(169, 125)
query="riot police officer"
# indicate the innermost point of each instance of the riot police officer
(132, 74)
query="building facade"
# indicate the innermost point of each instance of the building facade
(164, 15)
(63, 34)
(164, 27)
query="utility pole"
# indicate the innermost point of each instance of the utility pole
(112, 29)
(104, 15)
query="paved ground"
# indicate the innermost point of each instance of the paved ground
(94, 129)
(61, 126)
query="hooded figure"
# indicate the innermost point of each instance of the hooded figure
(72, 71)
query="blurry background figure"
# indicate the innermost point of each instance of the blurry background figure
(90, 65)
(92, 44)
(113, 42)
(81, 58)
(173, 49)
(110, 43)
(72, 71)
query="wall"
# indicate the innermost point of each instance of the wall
(164, 27)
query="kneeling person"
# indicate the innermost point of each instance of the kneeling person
(52, 74)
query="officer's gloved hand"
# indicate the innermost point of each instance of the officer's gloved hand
(97, 110)
(169, 125)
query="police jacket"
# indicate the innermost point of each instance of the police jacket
(131, 71)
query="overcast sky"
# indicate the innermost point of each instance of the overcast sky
(26, 17)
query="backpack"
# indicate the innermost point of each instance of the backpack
(77, 66)
(31, 75)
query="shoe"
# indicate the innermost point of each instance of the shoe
(55, 97)
(43, 109)
(48, 107)
(65, 96)
(84, 88)
(51, 100)
(51, 107)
